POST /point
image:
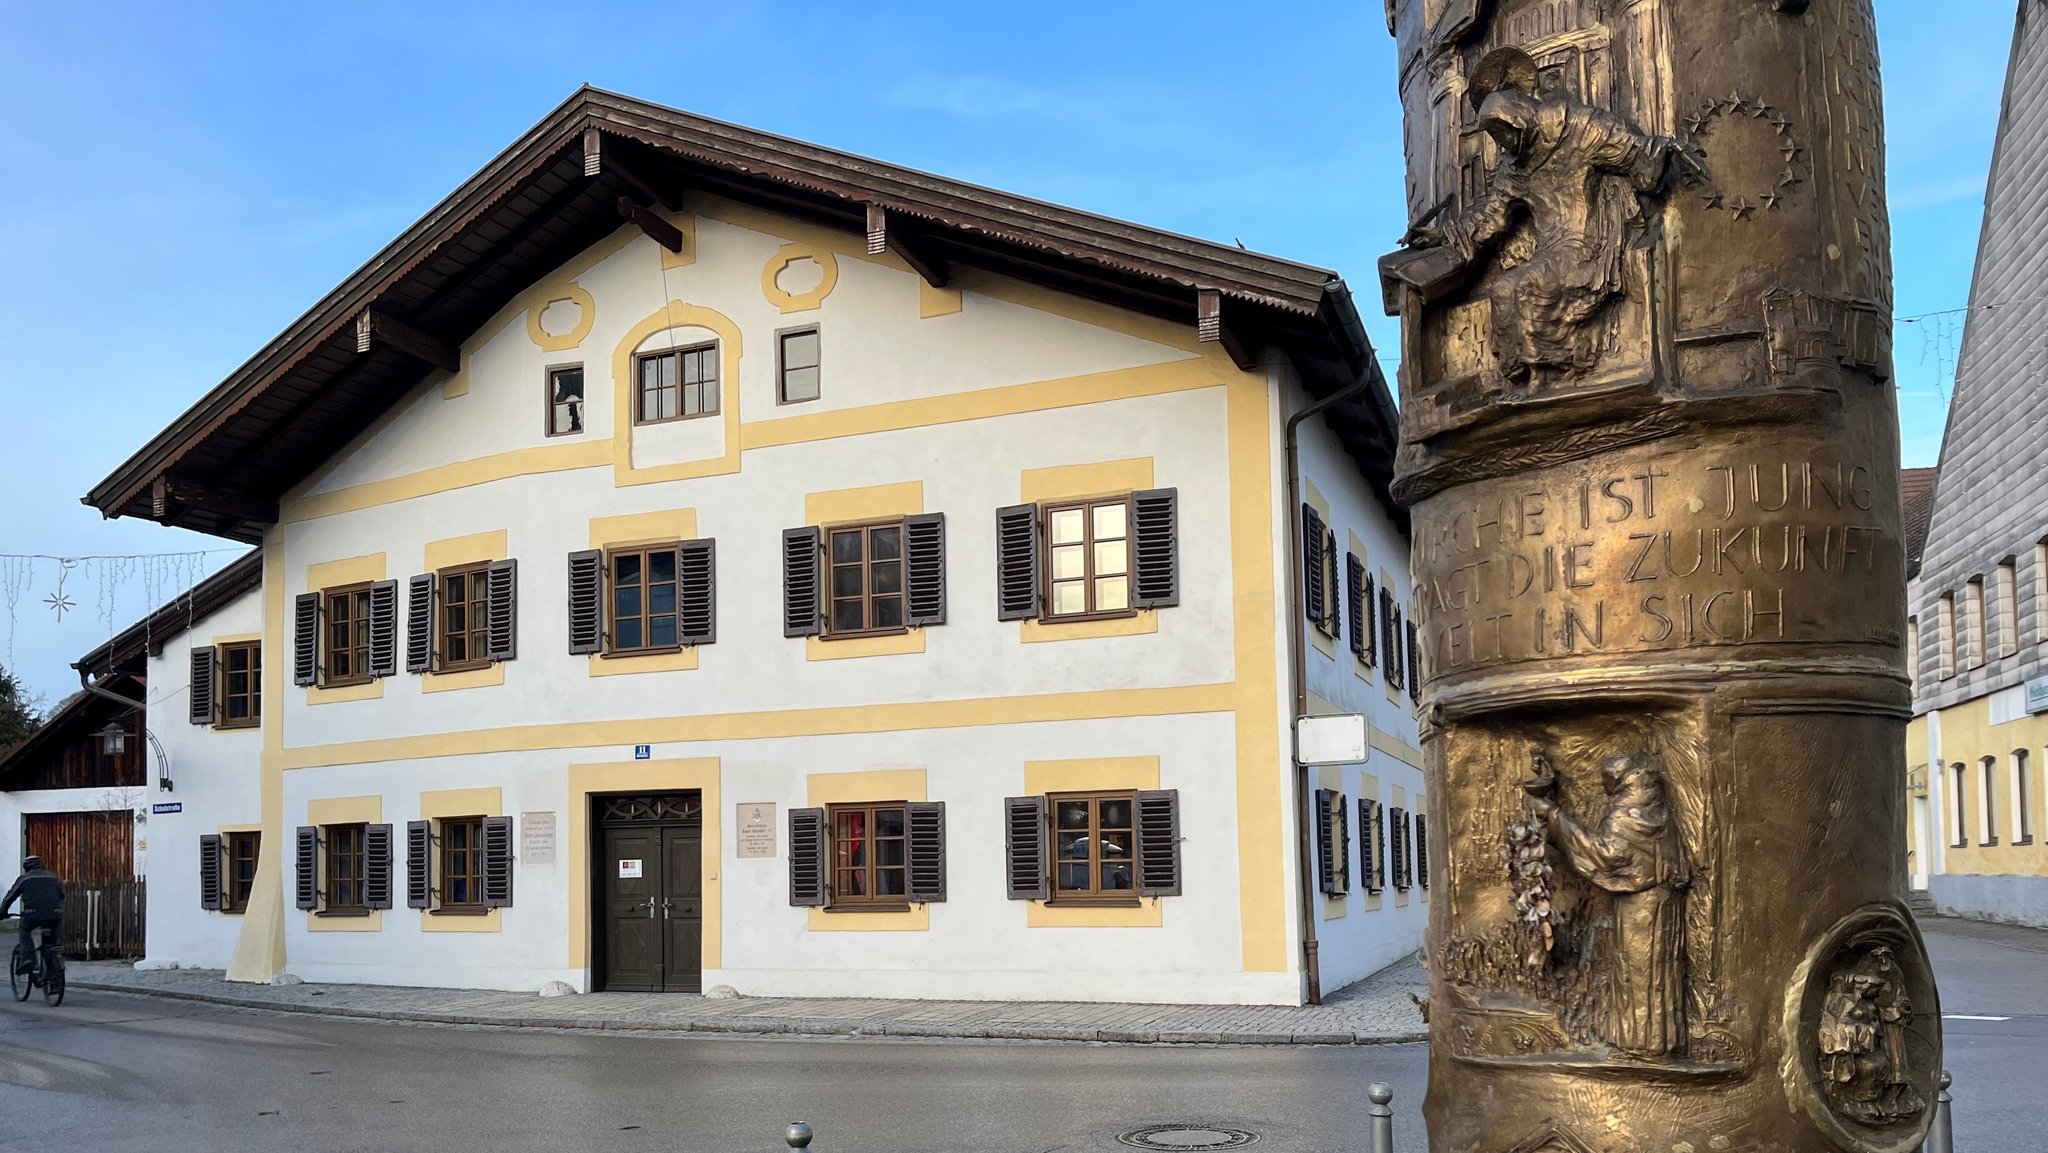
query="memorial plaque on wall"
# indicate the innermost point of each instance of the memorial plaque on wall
(757, 829)
(537, 838)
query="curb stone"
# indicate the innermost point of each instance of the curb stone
(760, 1026)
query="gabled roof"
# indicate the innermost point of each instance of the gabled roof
(147, 637)
(1916, 501)
(221, 466)
(80, 714)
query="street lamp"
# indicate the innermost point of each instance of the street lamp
(113, 739)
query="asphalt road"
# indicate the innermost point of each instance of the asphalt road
(111, 1073)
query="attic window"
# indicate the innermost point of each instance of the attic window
(565, 400)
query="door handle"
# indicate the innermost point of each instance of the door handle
(664, 908)
(650, 908)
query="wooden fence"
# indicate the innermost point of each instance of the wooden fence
(104, 920)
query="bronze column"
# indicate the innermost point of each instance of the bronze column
(1650, 443)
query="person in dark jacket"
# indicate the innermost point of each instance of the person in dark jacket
(42, 901)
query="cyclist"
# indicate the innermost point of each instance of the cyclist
(42, 903)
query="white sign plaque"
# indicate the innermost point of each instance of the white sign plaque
(1331, 740)
(628, 869)
(757, 829)
(2037, 695)
(536, 838)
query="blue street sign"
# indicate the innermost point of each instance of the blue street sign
(168, 807)
(642, 752)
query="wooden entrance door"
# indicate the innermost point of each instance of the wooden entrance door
(651, 883)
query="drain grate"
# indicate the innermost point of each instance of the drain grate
(1182, 1138)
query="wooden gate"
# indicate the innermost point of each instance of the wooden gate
(96, 848)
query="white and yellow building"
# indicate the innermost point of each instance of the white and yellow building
(693, 557)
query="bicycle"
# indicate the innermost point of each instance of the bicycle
(41, 967)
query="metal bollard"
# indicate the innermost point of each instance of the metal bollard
(1941, 1138)
(798, 1135)
(1382, 1113)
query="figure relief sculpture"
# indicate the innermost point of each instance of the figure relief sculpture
(1549, 237)
(1863, 1042)
(1634, 853)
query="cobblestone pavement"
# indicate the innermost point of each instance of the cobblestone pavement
(1377, 1010)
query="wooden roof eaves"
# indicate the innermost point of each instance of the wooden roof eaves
(74, 710)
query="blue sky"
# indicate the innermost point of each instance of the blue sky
(179, 182)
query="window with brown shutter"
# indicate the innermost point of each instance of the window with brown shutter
(1094, 848)
(1332, 622)
(210, 896)
(1422, 849)
(1025, 857)
(201, 693)
(870, 856)
(462, 624)
(306, 639)
(586, 602)
(1368, 846)
(345, 869)
(1088, 559)
(927, 850)
(1355, 600)
(1326, 841)
(1414, 665)
(807, 858)
(1390, 639)
(658, 598)
(1159, 871)
(348, 635)
(462, 864)
(241, 685)
(243, 850)
(1399, 845)
(796, 365)
(1314, 567)
(497, 843)
(677, 385)
(865, 580)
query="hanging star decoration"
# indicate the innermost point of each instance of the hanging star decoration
(60, 600)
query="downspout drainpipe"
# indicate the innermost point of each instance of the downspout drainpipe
(1297, 644)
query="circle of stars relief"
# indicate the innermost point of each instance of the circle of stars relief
(1701, 123)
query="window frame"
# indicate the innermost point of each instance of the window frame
(234, 896)
(2022, 799)
(1987, 805)
(647, 615)
(223, 695)
(477, 604)
(1094, 896)
(547, 399)
(442, 853)
(830, 565)
(782, 365)
(1046, 511)
(1959, 774)
(330, 869)
(837, 898)
(680, 352)
(357, 597)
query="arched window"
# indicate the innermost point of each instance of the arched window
(1987, 820)
(2022, 800)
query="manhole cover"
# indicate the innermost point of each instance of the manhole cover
(1185, 1137)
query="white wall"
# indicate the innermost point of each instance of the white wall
(214, 778)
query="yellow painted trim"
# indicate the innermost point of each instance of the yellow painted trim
(1079, 481)
(1335, 908)
(1033, 632)
(982, 404)
(364, 810)
(224, 830)
(700, 773)
(1262, 851)
(546, 341)
(686, 224)
(676, 314)
(370, 690)
(892, 645)
(821, 789)
(346, 571)
(1394, 746)
(831, 721)
(259, 947)
(539, 460)
(681, 661)
(1084, 776)
(456, 384)
(642, 528)
(490, 676)
(788, 254)
(936, 302)
(439, 805)
(475, 548)
(235, 639)
(854, 505)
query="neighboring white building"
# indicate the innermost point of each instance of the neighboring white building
(693, 557)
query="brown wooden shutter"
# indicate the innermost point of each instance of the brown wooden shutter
(926, 824)
(697, 596)
(384, 629)
(1400, 847)
(803, 613)
(1390, 640)
(1326, 843)
(1354, 592)
(419, 876)
(1368, 627)
(1312, 591)
(209, 872)
(501, 610)
(1414, 665)
(1422, 849)
(419, 623)
(1025, 848)
(1017, 562)
(202, 704)
(306, 639)
(1365, 847)
(377, 867)
(308, 860)
(1155, 532)
(586, 602)
(1158, 842)
(807, 858)
(497, 862)
(1379, 852)
(924, 569)
(1343, 808)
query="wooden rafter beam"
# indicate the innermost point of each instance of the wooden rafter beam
(170, 491)
(907, 246)
(595, 164)
(1212, 328)
(650, 222)
(374, 328)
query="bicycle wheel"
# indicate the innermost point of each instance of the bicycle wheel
(53, 979)
(16, 978)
